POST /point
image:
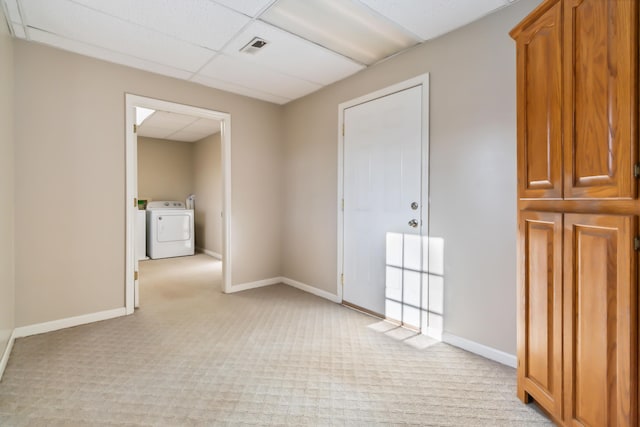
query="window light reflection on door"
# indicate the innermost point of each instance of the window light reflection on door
(414, 290)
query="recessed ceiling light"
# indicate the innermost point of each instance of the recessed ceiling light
(344, 26)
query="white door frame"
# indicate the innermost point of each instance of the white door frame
(131, 178)
(423, 81)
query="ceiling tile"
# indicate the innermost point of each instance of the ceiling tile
(98, 29)
(167, 120)
(186, 136)
(432, 18)
(244, 73)
(153, 132)
(248, 7)
(200, 22)
(18, 30)
(238, 89)
(292, 55)
(177, 127)
(14, 11)
(204, 126)
(105, 54)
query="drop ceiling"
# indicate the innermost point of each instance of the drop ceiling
(177, 127)
(310, 43)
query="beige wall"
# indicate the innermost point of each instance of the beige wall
(207, 161)
(7, 300)
(165, 169)
(70, 261)
(472, 173)
(70, 188)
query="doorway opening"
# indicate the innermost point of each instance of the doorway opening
(214, 129)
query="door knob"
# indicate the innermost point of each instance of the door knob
(413, 223)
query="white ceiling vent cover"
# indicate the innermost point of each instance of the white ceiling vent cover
(254, 46)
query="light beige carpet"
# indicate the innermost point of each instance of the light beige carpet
(272, 356)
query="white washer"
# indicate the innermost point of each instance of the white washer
(170, 230)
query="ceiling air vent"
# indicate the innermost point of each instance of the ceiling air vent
(254, 45)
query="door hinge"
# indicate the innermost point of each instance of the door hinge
(135, 128)
(636, 243)
(342, 279)
(135, 275)
(343, 129)
(342, 205)
(636, 170)
(135, 202)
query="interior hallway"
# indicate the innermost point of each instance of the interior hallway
(276, 355)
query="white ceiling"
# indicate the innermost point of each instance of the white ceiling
(200, 40)
(177, 127)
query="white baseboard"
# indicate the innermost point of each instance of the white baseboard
(311, 289)
(293, 283)
(210, 253)
(54, 325)
(256, 284)
(481, 350)
(7, 353)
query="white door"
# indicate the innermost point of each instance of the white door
(382, 194)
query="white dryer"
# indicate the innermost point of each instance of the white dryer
(170, 231)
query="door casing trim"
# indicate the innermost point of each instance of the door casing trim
(131, 179)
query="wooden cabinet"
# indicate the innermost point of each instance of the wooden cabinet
(540, 308)
(599, 331)
(578, 303)
(600, 98)
(539, 50)
(589, 100)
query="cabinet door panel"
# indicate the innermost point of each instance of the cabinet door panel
(539, 56)
(600, 98)
(600, 327)
(540, 309)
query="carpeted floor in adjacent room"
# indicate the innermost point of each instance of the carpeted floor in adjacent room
(271, 356)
